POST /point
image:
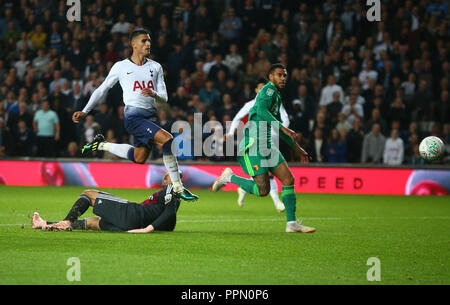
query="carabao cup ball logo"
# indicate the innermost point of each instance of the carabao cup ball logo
(431, 148)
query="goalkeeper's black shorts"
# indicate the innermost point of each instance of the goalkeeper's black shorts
(118, 214)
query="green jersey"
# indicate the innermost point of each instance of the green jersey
(267, 109)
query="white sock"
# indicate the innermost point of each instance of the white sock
(120, 150)
(171, 164)
(274, 191)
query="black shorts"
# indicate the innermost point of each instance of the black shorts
(118, 214)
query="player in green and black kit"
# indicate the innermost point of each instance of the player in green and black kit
(257, 155)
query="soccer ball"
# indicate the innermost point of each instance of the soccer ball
(431, 148)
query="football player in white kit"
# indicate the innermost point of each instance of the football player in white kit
(242, 115)
(142, 82)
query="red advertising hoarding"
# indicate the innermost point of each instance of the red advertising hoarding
(336, 180)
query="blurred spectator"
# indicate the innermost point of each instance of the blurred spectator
(90, 129)
(21, 65)
(209, 95)
(333, 109)
(217, 67)
(342, 124)
(353, 110)
(12, 104)
(57, 79)
(444, 107)
(262, 64)
(38, 37)
(233, 59)
(317, 146)
(397, 112)
(121, 26)
(117, 122)
(76, 55)
(47, 129)
(24, 139)
(377, 119)
(179, 99)
(111, 54)
(305, 101)
(393, 149)
(367, 74)
(72, 151)
(420, 101)
(336, 147)
(23, 114)
(373, 145)
(415, 158)
(230, 26)
(355, 138)
(409, 87)
(40, 61)
(326, 95)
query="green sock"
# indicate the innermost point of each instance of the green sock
(247, 185)
(290, 201)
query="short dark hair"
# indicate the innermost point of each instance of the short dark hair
(276, 66)
(138, 32)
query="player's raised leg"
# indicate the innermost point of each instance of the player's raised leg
(124, 151)
(259, 185)
(284, 174)
(165, 139)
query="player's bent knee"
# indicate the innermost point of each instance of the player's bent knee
(91, 194)
(162, 137)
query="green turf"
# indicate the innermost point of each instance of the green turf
(216, 242)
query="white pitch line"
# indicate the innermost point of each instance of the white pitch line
(10, 224)
(224, 219)
(311, 218)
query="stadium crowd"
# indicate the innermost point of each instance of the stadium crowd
(358, 91)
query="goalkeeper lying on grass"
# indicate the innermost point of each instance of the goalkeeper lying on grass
(158, 212)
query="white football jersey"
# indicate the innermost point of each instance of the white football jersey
(245, 111)
(132, 79)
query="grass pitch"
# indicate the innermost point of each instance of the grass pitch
(217, 242)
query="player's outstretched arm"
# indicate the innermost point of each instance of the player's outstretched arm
(99, 94)
(147, 229)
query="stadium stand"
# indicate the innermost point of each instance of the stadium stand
(393, 74)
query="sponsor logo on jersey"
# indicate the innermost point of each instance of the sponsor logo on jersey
(141, 85)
